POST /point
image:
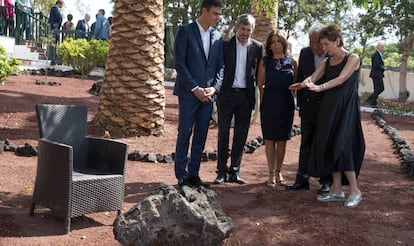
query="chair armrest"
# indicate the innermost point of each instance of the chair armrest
(54, 169)
(107, 154)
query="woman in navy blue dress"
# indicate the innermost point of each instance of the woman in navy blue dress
(277, 71)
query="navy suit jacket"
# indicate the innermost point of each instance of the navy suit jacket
(192, 66)
(377, 69)
(81, 25)
(308, 101)
(55, 18)
(254, 56)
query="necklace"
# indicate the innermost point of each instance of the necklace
(278, 65)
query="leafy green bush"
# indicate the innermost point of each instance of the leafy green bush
(82, 55)
(7, 65)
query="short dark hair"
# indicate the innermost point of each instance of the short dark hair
(331, 32)
(211, 3)
(102, 11)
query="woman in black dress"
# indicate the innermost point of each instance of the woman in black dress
(277, 71)
(338, 146)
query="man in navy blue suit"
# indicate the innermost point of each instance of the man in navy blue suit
(55, 19)
(82, 27)
(198, 58)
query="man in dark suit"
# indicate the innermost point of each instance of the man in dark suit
(237, 97)
(198, 58)
(309, 102)
(55, 18)
(377, 75)
(82, 27)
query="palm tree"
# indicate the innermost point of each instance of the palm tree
(266, 19)
(132, 99)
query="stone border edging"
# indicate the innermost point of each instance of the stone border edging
(401, 147)
(249, 148)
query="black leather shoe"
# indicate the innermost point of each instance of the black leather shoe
(324, 188)
(298, 186)
(221, 178)
(235, 177)
(196, 182)
(182, 182)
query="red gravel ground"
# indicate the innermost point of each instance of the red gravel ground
(262, 215)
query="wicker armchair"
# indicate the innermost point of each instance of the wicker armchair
(76, 174)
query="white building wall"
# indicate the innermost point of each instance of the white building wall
(391, 84)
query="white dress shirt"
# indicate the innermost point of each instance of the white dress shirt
(205, 38)
(241, 60)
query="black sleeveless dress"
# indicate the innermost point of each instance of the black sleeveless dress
(338, 144)
(277, 107)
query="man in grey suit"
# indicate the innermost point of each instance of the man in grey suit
(237, 98)
(377, 75)
(198, 58)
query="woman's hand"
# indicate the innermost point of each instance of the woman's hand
(295, 86)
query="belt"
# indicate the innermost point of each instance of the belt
(238, 89)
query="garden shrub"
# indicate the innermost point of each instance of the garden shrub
(83, 55)
(7, 65)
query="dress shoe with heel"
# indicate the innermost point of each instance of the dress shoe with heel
(279, 178)
(353, 200)
(235, 177)
(271, 182)
(331, 197)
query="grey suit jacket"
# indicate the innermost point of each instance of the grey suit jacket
(254, 56)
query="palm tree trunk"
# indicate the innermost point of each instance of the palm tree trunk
(408, 44)
(264, 23)
(132, 100)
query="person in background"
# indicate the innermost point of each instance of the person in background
(9, 18)
(101, 28)
(308, 102)
(338, 145)
(55, 18)
(198, 59)
(82, 27)
(237, 97)
(25, 9)
(277, 71)
(110, 27)
(67, 26)
(377, 75)
(93, 25)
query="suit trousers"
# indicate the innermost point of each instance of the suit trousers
(307, 134)
(194, 119)
(378, 88)
(237, 105)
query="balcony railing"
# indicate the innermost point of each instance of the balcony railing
(34, 30)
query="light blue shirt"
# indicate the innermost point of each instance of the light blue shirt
(101, 30)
